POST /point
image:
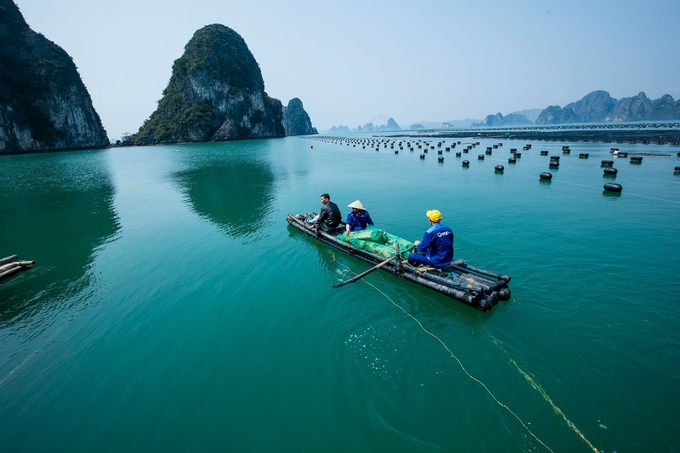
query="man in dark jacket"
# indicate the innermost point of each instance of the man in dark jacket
(329, 216)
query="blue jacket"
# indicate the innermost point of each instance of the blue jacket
(437, 245)
(360, 221)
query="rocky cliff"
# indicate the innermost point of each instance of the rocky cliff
(296, 120)
(600, 107)
(43, 102)
(497, 120)
(216, 92)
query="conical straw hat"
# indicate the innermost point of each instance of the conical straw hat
(356, 204)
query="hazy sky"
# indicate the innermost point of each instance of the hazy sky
(351, 62)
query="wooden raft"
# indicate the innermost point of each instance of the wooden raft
(9, 267)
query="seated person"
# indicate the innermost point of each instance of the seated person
(358, 219)
(329, 217)
(436, 249)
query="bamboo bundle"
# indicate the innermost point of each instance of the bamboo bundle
(8, 267)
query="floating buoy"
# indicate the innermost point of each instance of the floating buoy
(439, 151)
(457, 153)
(499, 168)
(425, 150)
(554, 164)
(636, 160)
(545, 175)
(488, 152)
(544, 153)
(480, 157)
(396, 151)
(566, 151)
(613, 187)
(557, 158)
(312, 146)
(607, 163)
(512, 160)
(440, 159)
(583, 156)
(466, 163)
(518, 155)
(422, 156)
(677, 170)
(610, 171)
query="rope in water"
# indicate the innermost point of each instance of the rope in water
(503, 405)
(543, 393)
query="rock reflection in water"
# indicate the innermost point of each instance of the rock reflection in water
(236, 197)
(57, 210)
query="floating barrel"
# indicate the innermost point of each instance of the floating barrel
(544, 153)
(622, 155)
(495, 146)
(610, 171)
(480, 157)
(557, 158)
(488, 152)
(512, 160)
(396, 151)
(425, 150)
(678, 154)
(607, 163)
(518, 155)
(488, 148)
(677, 170)
(466, 163)
(612, 187)
(439, 151)
(583, 155)
(457, 153)
(447, 148)
(422, 156)
(545, 175)
(440, 159)
(465, 150)
(636, 160)
(513, 150)
(504, 293)
(499, 168)
(566, 151)
(554, 164)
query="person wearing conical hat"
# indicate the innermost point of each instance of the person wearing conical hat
(358, 218)
(436, 248)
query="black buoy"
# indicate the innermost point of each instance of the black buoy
(583, 156)
(440, 159)
(610, 171)
(554, 164)
(439, 151)
(504, 293)
(566, 151)
(512, 160)
(636, 160)
(544, 153)
(613, 187)
(422, 156)
(480, 157)
(457, 153)
(425, 150)
(499, 168)
(396, 151)
(518, 155)
(557, 158)
(466, 163)
(545, 175)
(488, 152)
(677, 170)
(607, 163)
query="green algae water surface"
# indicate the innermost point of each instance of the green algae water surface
(173, 309)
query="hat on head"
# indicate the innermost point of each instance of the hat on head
(356, 204)
(434, 215)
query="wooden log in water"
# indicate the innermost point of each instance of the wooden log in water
(8, 273)
(8, 266)
(7, 259)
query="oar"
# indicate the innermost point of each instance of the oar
(365, 273)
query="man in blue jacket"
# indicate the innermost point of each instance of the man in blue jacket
(436, 249)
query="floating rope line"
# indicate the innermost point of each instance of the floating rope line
(503, 405)
(542, 392)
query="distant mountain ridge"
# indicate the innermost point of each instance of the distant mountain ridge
(600, 107)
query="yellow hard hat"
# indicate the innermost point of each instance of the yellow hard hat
(434, 215)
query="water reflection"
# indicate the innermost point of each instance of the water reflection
(57, 209)
(236, 196)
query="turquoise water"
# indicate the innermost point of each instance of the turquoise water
(172, 308)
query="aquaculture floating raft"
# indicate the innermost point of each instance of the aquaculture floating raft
(476, 287)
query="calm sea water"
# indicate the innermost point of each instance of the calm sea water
(173, 309)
